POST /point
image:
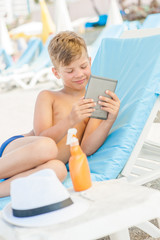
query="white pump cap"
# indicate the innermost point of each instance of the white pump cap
(70, 138)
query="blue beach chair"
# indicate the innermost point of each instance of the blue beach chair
(32, 51)
(5, 60)
(34, 71)
(151, 21)
(35, 47)
(135, 63)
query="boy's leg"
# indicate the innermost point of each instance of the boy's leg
(19, 142)
(56, 165)
(26, 153)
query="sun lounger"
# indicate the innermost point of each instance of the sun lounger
(36, 71)
(32, 51)
(5, 60)
(135, 64)
(151, 21)
(143, 165)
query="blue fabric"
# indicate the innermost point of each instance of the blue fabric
(131, 25)
(7, 60)
(151, 21)
(4, 145)
(34, 48)
(43, 59)
(135, 63)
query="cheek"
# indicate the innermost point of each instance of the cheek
(65, 76)
(88, 71)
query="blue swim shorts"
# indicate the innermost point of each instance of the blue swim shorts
(4, 145)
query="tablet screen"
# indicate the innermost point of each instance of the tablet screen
(97, 87)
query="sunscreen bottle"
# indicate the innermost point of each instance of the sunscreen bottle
(78, 163)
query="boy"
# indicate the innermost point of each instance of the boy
(56, 112)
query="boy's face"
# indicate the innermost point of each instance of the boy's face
(76, 74)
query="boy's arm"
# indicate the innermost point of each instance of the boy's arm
(43, 116)
(97, 130)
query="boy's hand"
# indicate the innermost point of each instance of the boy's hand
(110, 105)
(81, 110)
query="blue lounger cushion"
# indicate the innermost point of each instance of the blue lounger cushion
(135, 63)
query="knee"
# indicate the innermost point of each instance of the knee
(59, 168)
(48, 148)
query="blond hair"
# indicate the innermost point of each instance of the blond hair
(66, 47)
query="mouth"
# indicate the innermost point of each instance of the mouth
(80, 81)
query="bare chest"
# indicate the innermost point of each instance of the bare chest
(61, 110)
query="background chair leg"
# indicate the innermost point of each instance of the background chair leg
(158, 222)
(150, 229)
(121, 235)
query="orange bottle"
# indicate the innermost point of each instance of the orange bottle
(78, 164)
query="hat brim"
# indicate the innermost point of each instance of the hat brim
(78, 207)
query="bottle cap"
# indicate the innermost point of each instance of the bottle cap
(71, 136)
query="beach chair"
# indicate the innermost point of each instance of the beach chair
(32, 51)
(37, 71)
(135, 63)
(151, 21)
(5, 60)
(143, 165)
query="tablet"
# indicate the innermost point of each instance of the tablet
(97, 87)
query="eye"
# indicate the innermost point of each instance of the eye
(70, 71)
(84, 66)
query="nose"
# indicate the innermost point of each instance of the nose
(79, 73)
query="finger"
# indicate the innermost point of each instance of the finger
(109, 110)
(88, 110)
(109, 100)
(111, 105)
(87, 106)
(112, 95)
(85, 114)
(85, 101)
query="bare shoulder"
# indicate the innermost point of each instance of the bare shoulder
(48, 95)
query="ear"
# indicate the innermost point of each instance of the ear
(55, 72)
(90, 60)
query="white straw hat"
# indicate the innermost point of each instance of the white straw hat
(40, 199)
